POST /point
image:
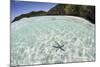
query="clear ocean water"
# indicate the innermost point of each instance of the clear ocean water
(32, 40)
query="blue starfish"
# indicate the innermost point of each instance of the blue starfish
(59, 46)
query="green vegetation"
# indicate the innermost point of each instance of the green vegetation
(87, 12)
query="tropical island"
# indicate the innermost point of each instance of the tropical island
(87, 12)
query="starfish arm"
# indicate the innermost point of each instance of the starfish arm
(62, 45)
(62, 49)
(57, 43)
(55, 46)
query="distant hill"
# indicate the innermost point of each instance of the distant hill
(87, 12)
(31, 14)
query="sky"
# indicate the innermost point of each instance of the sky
(19, 7)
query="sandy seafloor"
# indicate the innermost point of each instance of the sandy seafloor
(32, 40)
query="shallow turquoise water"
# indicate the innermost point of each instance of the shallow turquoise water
(32, 40)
